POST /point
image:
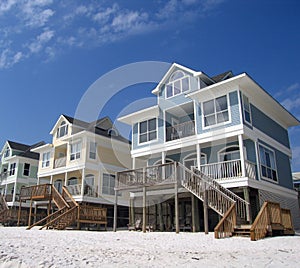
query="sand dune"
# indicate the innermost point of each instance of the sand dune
(49, 248)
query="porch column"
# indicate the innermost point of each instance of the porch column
(82, 181)
(205, 210)
(38, 180)
(160, 215)
(132, 216)
(242, 157)
(257, 160)
(163, 161)
(198, 150)
(144, 209)
(133, 162)
(51, 179)
(176, 202)
(66, 179)
(115, 211)
(247, 198)
(195, 214)
(15, 190)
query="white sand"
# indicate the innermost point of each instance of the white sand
(48, 248)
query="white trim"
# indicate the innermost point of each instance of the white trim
(215, 113)
(266, 178)
(138, 136)
(140, 115)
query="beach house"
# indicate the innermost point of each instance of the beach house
(18, 168)
(208, 141)
(83, 159)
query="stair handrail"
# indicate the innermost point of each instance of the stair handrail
(58, 199)
(226, 225)
(46, 218)
(206, 181)
(260, 225)
(242, 206)
(59, 217)
(66, 191)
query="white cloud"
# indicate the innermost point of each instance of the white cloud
(128, 21)
(6, 5)
(104, 15)
(40, 41)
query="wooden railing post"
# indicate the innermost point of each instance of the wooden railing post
(205, 209)
(176, 199)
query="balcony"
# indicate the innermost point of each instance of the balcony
(60, 162)
(3, 175)
(228, 170)
(180, 130)
(90, 191)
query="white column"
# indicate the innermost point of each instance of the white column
(242, 157)
(257, 160)
(163, 157)
(133, 162)
(198, 150)
(15, 190)
(99, 183)
(82, 181)
(51, 179)
(66, 179)
(195, 115)
(38, 180)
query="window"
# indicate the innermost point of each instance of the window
(215, 111)
(267, 163)
(246, 108)
(12, 169)
(108, 184)
(72, 181)
(93, 150)
(147, 130)
(75, 151)
(46, 160)
(62, 130)
(26, 169)
(7, 152)
(178, 83)
(112, 132)
(229, 154)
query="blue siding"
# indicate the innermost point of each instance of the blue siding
(268, 126)
(250, 148)
(235, 115)
(284, 172)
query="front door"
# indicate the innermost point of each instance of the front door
(58, 185)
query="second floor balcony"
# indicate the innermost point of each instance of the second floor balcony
(179, 131)
(60, 162)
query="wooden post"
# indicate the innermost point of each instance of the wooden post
(30, 212)
(115, 211)
(205, 210)
(144, 209)
(193, 213)
(176, 208)
(35, 212)
(242, 157)
(19, 212)
(78, 218)
(248, 208)
(160, 216)
(132, 216)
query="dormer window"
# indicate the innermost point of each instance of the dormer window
(7, 152)
(179, 82)
(62, 130)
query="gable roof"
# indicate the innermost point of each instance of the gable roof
(100, 126)
(222, 76)
(24, 149)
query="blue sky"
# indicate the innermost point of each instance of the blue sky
(52, 51)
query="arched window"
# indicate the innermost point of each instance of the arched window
(72, 181)
(179, 82)
(229, 153)
(112, 132)
(89, 180)
(62, 130)
(191, 160)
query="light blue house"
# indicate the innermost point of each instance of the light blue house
(226, 126)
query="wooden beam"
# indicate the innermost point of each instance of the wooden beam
(205, 210)
(30, 212)
(132, 215)
(19, 212)
(115, 211)
(160, 216)
(248, 208)
(144, 209)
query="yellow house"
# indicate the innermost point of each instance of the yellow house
(84, 157)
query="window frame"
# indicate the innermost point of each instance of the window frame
(172, 82)
(46, 160)
(28, 169)
(63, 126)
(6, 152)
(90, 151)
(110, 188)
(147, 132)
(244, 110)
(77, 153)
(215, 113)
(263, 165)
(12, 169)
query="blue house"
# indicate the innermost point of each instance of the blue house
(226, 127)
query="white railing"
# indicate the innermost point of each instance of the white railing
(228, 170)
(181, 130)
(60, 162)
(88, 190)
